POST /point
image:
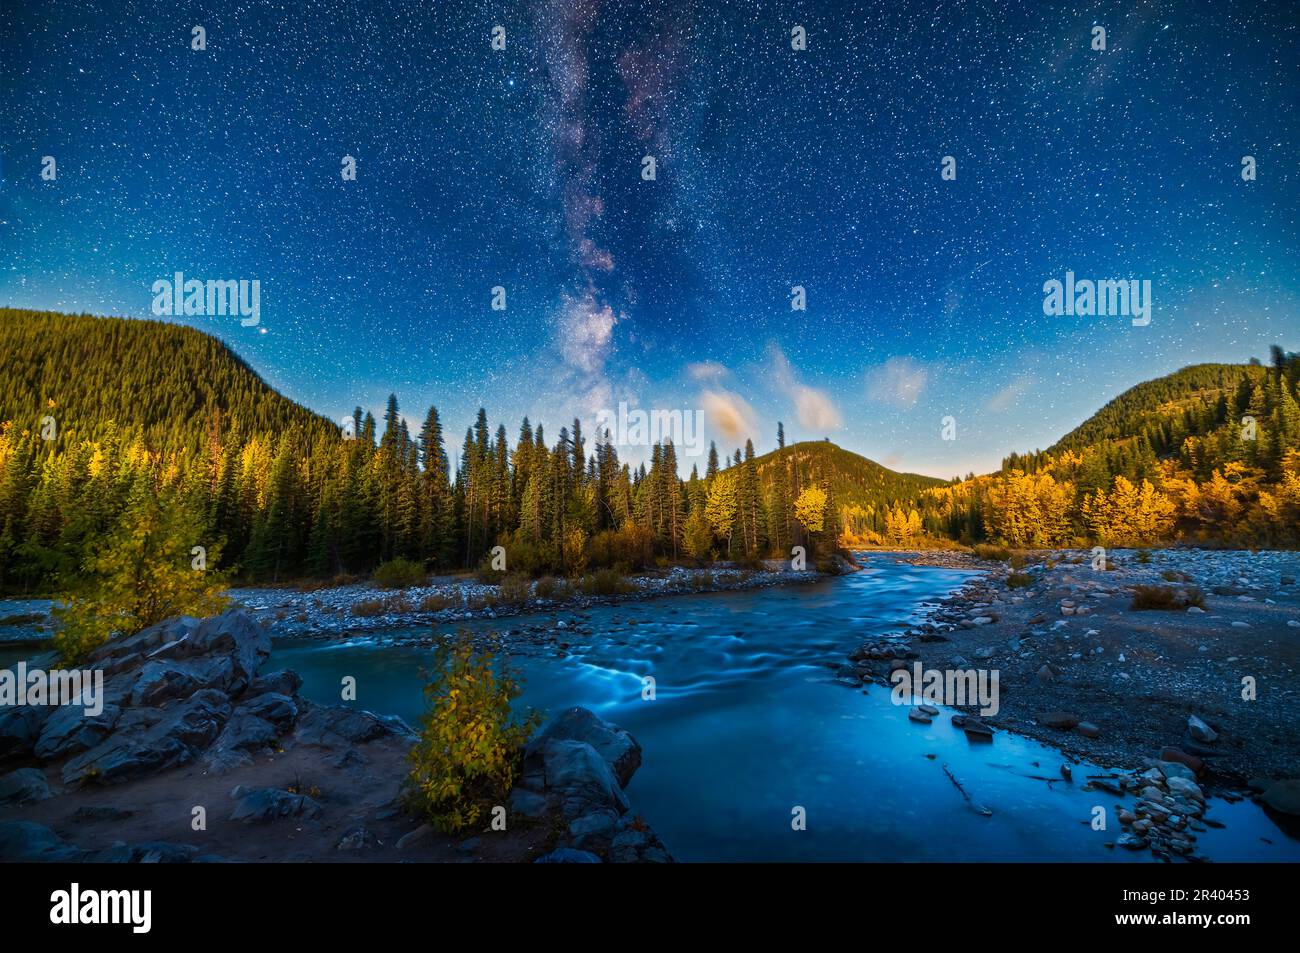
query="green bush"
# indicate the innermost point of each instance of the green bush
(399, 574)
(1020, 580)
(470, 744)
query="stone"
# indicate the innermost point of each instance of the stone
(1057, 719)
(146, 741)
(27, 841)
(358, 838)
(1200, 731)
(24, 786)
(69, 730)
(416, 837)
(268, 804)
(1088, 729)
(1179, 756)
(1283, 796)
(612, 743)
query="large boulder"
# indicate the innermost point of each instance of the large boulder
(20, 727)
(611, 742)
(24, 786)
(70, 730)
(576, 772)
(338, 726)
(29, 842)
(264, 805)
(150, 740)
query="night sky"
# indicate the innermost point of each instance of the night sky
(522, 169)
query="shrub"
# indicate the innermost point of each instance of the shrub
(1167, 598)
(399, 574)
(1020, 580)
(470, 745)
(992, 553)
(515, 588)
(435, 602)
(140, 574)
(605, 582)
(1173, 575)
(546, 587)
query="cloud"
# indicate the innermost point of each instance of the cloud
(813, 407)
(899, 381)
(1007, 396)
(730, 414)
(706, 371)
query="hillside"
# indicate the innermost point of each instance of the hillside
(165, 380)
(853, 479)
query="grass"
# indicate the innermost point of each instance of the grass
(1167, 598)
(605, 582)
(992, 553)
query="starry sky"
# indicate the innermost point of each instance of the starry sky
(522, 168)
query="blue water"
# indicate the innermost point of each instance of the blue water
(748, 723)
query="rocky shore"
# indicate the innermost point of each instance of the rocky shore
(341, 611)
(198, 756)
(1189, 701)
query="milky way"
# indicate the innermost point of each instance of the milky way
(522, 168)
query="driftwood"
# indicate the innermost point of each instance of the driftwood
(978, 808)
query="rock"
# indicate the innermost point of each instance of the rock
(1293, 623)
(160, 680)
(528, 803)
(615, 745)
(1283, 796)
(1057, 719)
(146, 741)
(594, 830)
(1186, 788)
(28, 842)
(1131, 841)
(915, 714)
(268, 804)
(19, 729)
(980, 620)
(577, 772)
(567, 855)
(984, 652)
(280, 710)
(282, 682)
(1175, 769)
(356, 839)
(416, 837)
(977, 730)
(1179, 756)
(338, 726)
(1200, 731)
(1088, 729)
(1046, 673)
(69, 730)
(24, 786)
(1196, 610)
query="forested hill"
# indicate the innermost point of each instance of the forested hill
(1195, 416)
(853, 480)
(165, 381)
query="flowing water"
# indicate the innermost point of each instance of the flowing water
(748, 723)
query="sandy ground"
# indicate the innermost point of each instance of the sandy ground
(1071, 643)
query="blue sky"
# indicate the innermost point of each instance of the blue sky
(521, 168)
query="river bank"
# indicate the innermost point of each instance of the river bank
(198, 756)
(1211, 685)
(330, 612)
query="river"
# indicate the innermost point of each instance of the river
(748, 723)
